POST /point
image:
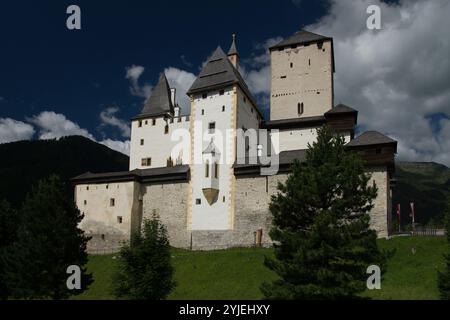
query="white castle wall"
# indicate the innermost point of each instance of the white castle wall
(157, 144)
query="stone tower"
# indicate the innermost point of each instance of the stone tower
(302, 68)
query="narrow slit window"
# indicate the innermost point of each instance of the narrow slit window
(207, 169)
(142, 142)
(153, 122)
(166, 129)
(300, 108)
(112, 202)
(216, 170)
(140, 123)
(119, 219)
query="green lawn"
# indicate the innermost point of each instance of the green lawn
(238, 273)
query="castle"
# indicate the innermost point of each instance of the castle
(210, 175)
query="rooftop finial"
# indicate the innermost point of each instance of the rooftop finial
(233, 46)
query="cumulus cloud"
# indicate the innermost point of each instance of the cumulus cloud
(117, 145)
(133, 74)
(180, 80)
(55, 125)
(397, 77)
(108, 118)
(13, 130)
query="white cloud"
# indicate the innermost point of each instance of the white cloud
(180, 80)
(120, 146)
(133, 74)
(13, 130)
(55, 125)
(398, 76)
(108, 117)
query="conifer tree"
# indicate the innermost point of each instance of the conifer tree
(48, 242)
(323, 244)
(444, 277)
(145, 271)
(8, 228)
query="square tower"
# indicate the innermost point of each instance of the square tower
(302, 68)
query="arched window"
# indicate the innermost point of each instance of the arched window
(216, 170)
(207, 169)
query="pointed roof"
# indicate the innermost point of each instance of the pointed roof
(160, 102)
(341, 108)
(211, 148)
(370, 138)
(219, 72)
(233, 49)
(300, 37)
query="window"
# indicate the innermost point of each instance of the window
(179, 119)
(142, 142)
(245, 99)
(283, 77)
(153, 122)
(119, 219)
(251, 109)
(223, 199)
(198, 201)
(292, 64)
(140, 123)
(223, 108)
(300, 108)
(103, 237)
(85, 202)
(221, 92)
(112, 202)
(216, 170)
(87, 188)
(204, 95)
(166, 129)
(309, 61)
(146, 162)
(146, 121)
(207, 169)
(203, 112)
(211, 127)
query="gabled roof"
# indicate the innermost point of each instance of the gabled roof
(370, 138)
(300, 37)
(160, 102)
(219, 72)
(339, 109)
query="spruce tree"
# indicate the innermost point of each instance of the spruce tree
(8, 228)
(145, 271)
(323, 244)
(48, 241)
(444, 277)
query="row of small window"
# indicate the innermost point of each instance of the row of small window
(205, 95)
(294, 46)
(107, 187)
(112, 202)
(171, 120)
(147, 162)
(203, 110)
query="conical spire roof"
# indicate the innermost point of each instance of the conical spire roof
(159, 103)
(233, 49)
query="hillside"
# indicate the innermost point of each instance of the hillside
(425, 183)
(23, 163)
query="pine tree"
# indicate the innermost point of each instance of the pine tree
(323, 244)
(444, 277)
(8, 229)
(48, 241)
(145, 271)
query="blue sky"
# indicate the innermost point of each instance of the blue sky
(56, 82)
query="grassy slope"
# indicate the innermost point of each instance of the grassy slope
(238, 273)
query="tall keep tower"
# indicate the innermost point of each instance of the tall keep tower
(302, 68)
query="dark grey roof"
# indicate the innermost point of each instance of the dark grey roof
(370, 138)
(304, 122)
(143, 175)
(160, 102)
(233, 49)
(341, 108)
(300, 37)
(219, 72)
(284, 158)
